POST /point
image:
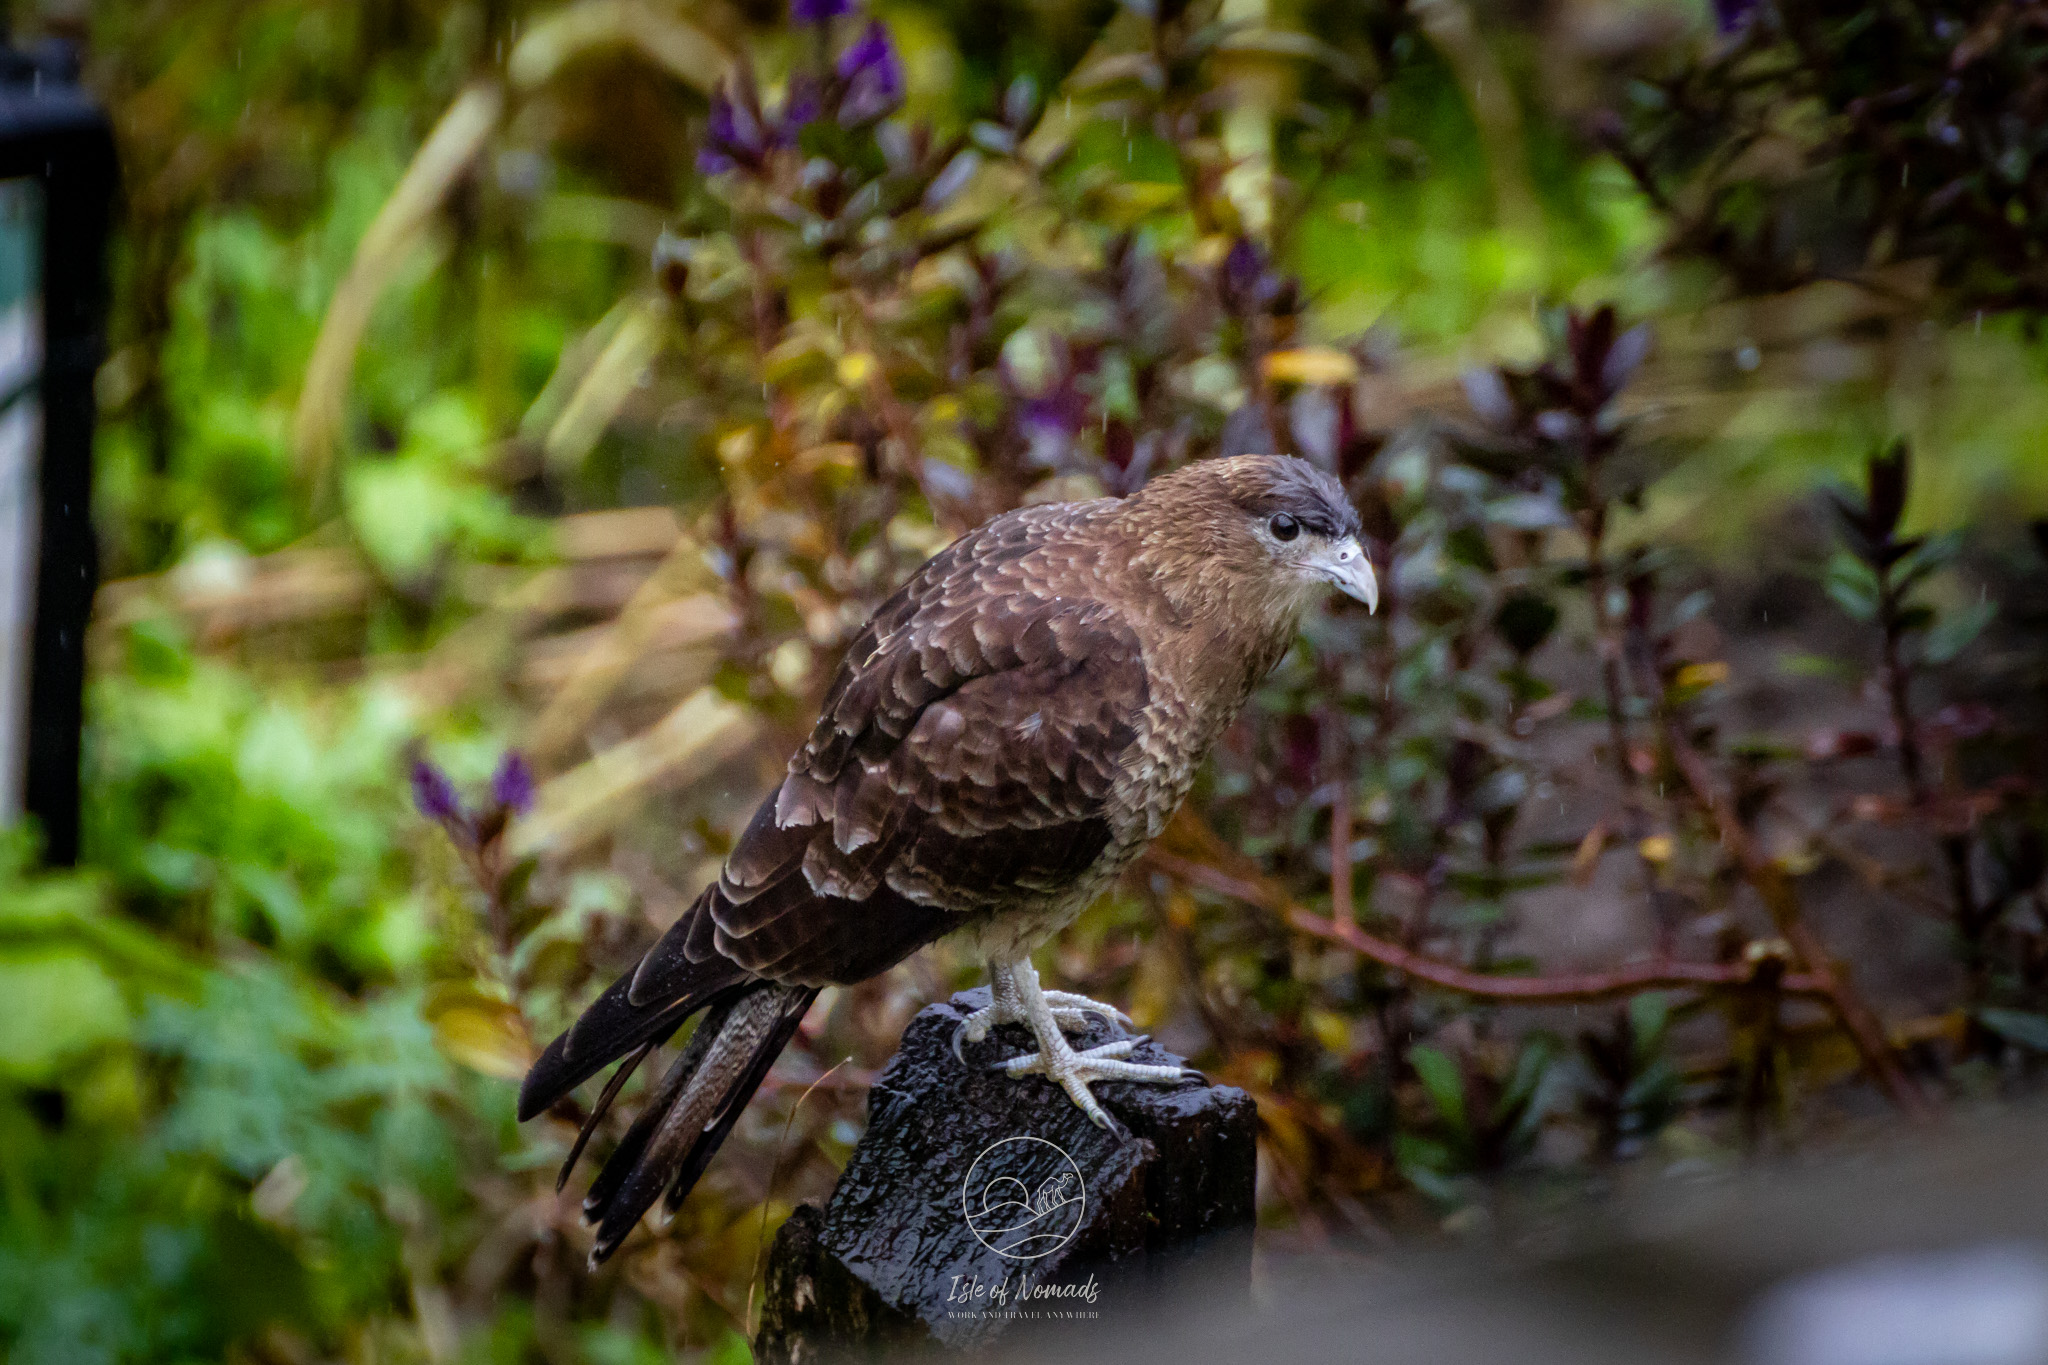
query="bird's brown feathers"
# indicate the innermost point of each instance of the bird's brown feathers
(1005, 733)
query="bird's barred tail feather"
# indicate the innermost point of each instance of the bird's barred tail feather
(615, 1026)
(686, 1115)
(694, 1108)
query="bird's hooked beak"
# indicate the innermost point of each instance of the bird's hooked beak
(1348, 569)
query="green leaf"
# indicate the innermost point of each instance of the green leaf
(1853, 585)
(1952, 634)
(1445, 1084)
(2024, 1027)
(403, 514)
(730, 1349)
(1531, 1065)
(59, 1005)
(1932, 555)
(1648, 1015)
(1428, 1166)
(1523, 1101)
(1799, 665)
(1525, 621)
(1655, 1082)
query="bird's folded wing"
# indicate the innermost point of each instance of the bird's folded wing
(964, 763)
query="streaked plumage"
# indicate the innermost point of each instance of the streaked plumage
(1005, 735)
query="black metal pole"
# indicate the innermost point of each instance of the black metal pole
(51, 132)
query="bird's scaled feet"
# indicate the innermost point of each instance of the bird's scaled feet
(1066, 1005)
(1072, 1071)
(1071, 1012)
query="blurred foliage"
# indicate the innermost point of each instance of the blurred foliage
(572, 379)
(1821, 139)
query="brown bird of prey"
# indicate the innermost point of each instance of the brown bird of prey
(1008, 732)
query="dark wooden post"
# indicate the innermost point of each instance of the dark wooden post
(977, 1206)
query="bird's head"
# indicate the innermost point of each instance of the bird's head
(1269, 525)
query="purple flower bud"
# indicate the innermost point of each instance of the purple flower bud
(435, 795)
(1241, 267)
(1730, 15)
(818, 11)
(734, 136)
(740, 135)
(512, 784)
(1051, 421)
(800, 106)
(1062, 410)
(873, 77)
(724, 127)
(1246, 282)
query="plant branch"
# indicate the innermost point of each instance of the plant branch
(1898, 684)
(1593, 524)
(1772, 885)
(1970, 922)
(1573, 988)
(1342, 901)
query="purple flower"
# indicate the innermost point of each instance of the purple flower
(1730, 15)
(740, 135)
(800, 106)
(435, 795)
(872, 75)
(512, 784)
(1248, 285)
(1050, 411)
(818, 11)
(1063, 409)
(734, 136)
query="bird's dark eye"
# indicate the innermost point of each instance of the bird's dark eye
(1285, 527)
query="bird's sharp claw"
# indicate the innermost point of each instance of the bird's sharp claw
(973, 1029)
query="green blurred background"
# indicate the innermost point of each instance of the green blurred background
(406, 443)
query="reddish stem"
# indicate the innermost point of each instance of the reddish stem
(1574, 988)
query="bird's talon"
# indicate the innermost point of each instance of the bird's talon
(1065, 1002)
(1073, 1071)
(977, 1026)
(972, 1029)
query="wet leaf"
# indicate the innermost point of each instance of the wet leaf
(1310, 365)
(1953, 633)
(1444, 1083)
(482, 1033)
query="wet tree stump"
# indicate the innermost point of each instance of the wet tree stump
(978, 1207)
